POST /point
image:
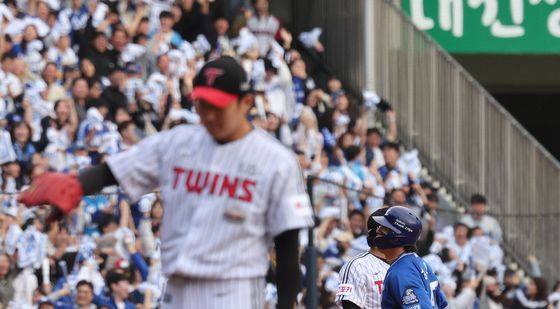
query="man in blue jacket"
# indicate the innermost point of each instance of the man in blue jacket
(410, 283)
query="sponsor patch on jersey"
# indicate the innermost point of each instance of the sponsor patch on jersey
(345, 289)
(409, 297)
(234, 213)
(301, 205)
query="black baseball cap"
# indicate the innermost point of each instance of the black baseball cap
(115, 277)
(221, 82)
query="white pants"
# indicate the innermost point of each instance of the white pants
(182, 293)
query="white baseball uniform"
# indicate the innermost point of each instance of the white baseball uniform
(265, 29)
(361, 281)
(223, 206)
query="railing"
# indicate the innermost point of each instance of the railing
(342, 24)
(467, 139)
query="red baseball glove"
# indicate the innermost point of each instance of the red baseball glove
(62, 191)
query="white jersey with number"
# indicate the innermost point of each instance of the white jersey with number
(223, 203)
(361, 281)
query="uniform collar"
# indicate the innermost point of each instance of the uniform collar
(403, 255)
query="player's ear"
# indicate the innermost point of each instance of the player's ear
(246, 101)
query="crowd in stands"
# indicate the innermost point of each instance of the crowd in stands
(81, 80)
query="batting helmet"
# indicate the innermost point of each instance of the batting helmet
(404, 225)
(372, 225)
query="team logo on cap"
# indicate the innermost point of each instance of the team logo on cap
(245, 86)
(211, 74)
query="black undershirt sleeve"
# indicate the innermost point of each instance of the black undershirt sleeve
(346, 304)
(94, 179)
(287, 268)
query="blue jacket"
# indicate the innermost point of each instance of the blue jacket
(411, 284)
(127, 304)
(110, 302)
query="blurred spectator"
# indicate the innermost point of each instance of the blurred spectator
(223, 43)
(466, 298)
(58, 133)
(431, 206)
(346, 114)
(302, 83)
(24, 149)
(100, 56)
(62, 54)
(119, 39)
(11, 180)
(535, 295)
(460, 246)
(114, 95)
(194, 19)
(80, 93)
(266, 27)
(307, 137)
(7, 276)
(89, 71)
(334, 86)
(328, 197)
(46, 305)
(309, 167)
(506, 295)
(128, 133)
(165, 36)
(54, 91)
(426, 238)
(83, 298)
(374, 154)
(392, 176)
(357, 223)
(327, 230)
(119, 290)
(367, 182)
(84, 295)
(337, 252)
(478, 217)
(277, 85)
(279, 129)
(554, 297)
(397, 197)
